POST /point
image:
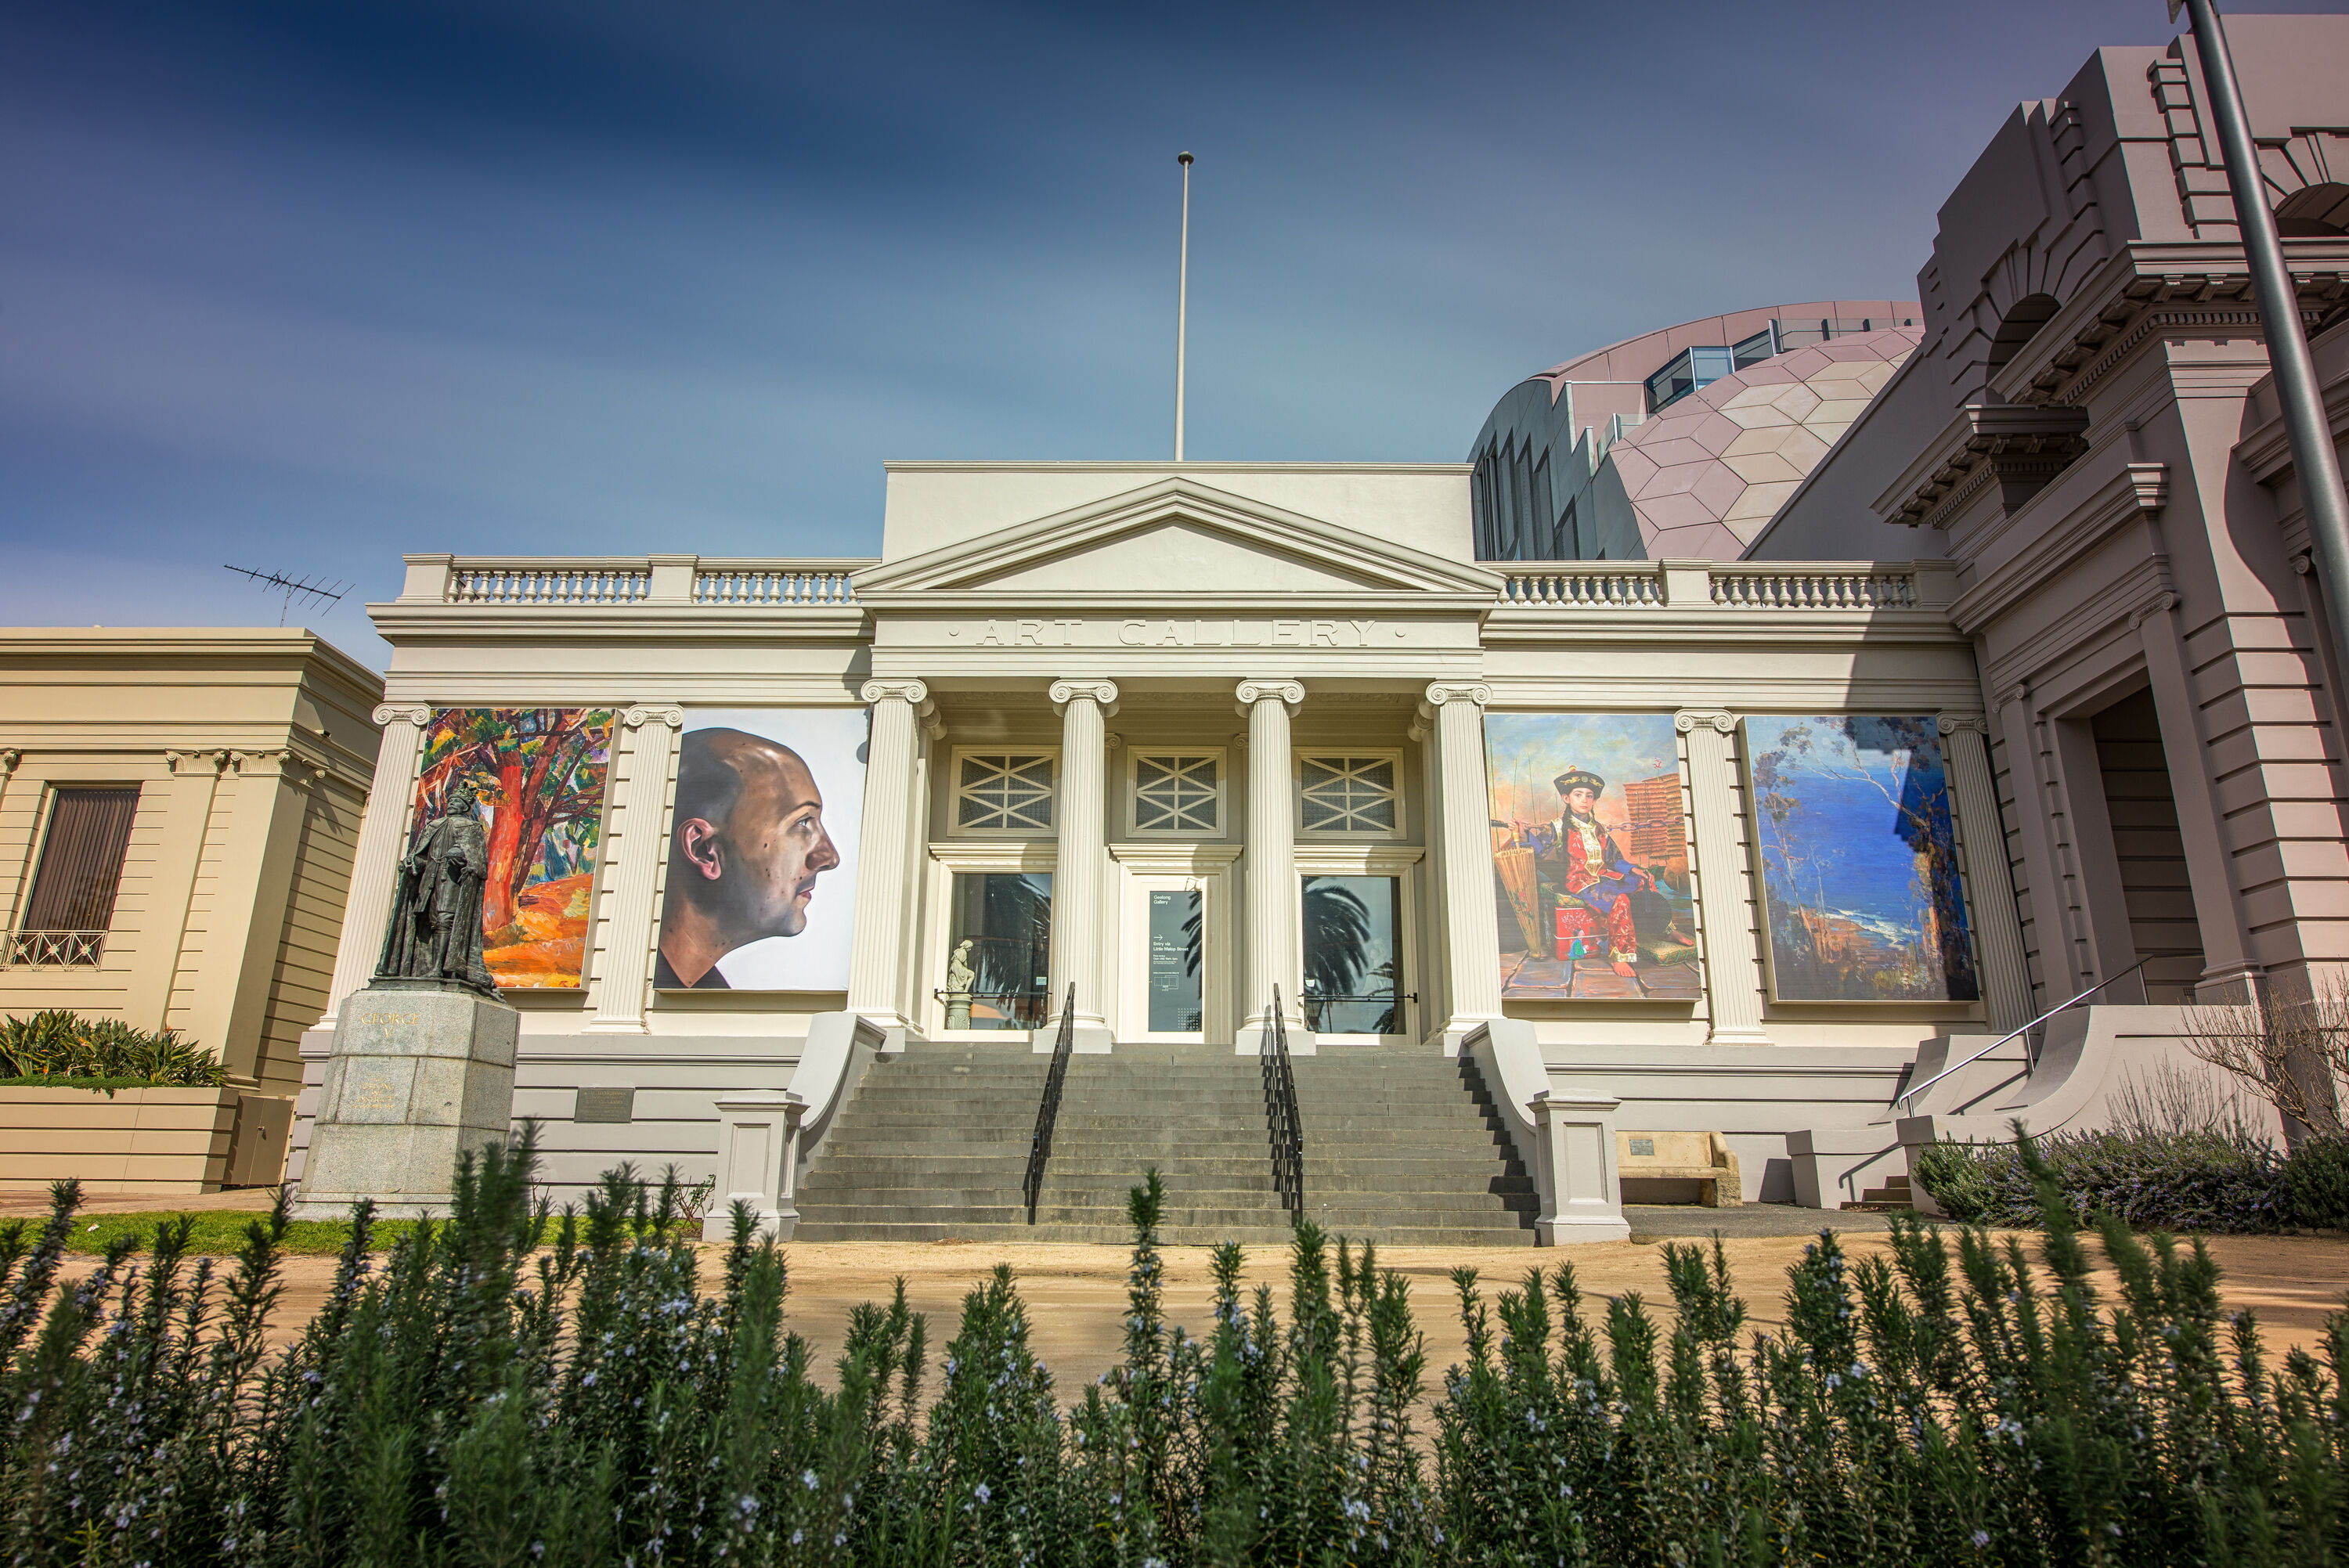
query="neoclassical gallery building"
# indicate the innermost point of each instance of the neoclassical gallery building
(1554, 878)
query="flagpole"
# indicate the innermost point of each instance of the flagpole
(1182, 302)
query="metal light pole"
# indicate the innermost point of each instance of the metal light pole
(2313, 455)
(1182, 302)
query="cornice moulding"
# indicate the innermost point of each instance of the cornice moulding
(2005, 443)
(2138, 492)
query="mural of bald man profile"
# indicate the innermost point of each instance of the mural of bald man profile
(747, 846)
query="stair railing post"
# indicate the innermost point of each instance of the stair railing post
(1280, 1114)
(1047, 1111)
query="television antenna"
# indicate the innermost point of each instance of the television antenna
(306, 588)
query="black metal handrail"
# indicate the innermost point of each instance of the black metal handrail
(1040, 1147)
(1280, 1114)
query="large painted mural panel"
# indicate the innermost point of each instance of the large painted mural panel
(540, 773)
(1590, 857)
(761, 889)
(1863, 901)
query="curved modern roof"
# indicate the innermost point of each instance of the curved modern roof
(1705, 474)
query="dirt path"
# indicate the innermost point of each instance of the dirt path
(1076, 1294)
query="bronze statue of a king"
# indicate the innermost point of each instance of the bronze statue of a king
(435, 911)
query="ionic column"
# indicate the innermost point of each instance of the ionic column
(1435, 985)
(884, 900)
(375, 863)
(636, 849)
(1274, 898)
(1732, 968)
(1982, 848)
(1076, 954)
(1473, 933)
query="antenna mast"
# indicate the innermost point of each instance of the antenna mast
(293, 588)
(1182, 301)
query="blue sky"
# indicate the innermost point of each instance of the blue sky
(302, 286)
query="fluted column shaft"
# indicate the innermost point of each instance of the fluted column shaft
(1472, 935)
(1273, 894)
(883, 898)
(375, 863)
(1732, 964)
(635, 850)
(1076, 945)
(1981, 846)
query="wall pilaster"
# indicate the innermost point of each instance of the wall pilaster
(1733, 966)
(2229, 973)
(636, 843)
(187, 811)
(1077, 951)
(1473, 935)
(1273, 893)
(1981, 846)
(882, 907)
(375, 863)
(1437, 986)
(230, 1010)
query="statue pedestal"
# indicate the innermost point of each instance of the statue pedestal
(958, 1009)
(421, 1070)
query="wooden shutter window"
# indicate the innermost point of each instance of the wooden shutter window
(81, 860)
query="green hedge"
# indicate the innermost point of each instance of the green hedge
(469, 1400)
(59, 1045)
(2213, 1181)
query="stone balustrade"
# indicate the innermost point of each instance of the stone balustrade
(1771, 585)
(618, 582)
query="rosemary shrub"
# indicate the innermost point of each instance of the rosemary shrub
(512, 1387)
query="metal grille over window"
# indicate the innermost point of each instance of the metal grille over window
(1174, 794)
(81, 867)
(1349, 794)
(1006, 793)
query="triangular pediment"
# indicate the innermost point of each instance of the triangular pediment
(1176, 536)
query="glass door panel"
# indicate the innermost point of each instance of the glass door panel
(1174, 983)
(1000, 931)
(1353, 956)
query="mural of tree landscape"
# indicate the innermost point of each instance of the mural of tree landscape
(1590, 857)
(1859, 861)
(541, 773)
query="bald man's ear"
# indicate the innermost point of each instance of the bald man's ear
(698, 844)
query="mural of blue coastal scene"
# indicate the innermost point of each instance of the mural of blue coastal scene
(1859, 861)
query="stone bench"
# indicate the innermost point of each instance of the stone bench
(1705, 1158)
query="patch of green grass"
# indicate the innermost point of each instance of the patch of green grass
(219, 1231)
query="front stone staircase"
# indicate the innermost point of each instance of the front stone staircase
(1401, 1146)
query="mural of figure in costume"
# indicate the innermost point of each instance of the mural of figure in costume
(436, 910)
(1588, 863)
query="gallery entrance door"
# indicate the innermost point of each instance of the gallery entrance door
(1171, 980)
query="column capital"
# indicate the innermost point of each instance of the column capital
(2019, 691)
(2161, 604)
(910, 691)
(1687, 719)
(1959, 723)
(415, 713)
(1291, 693)
(1473, 692)
(636, 718)
(181, 763)
(1063, 692)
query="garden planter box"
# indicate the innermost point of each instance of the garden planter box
(140, 1141)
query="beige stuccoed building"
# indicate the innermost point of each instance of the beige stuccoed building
(1237, 820)
(177, 810)
(1145, 735)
